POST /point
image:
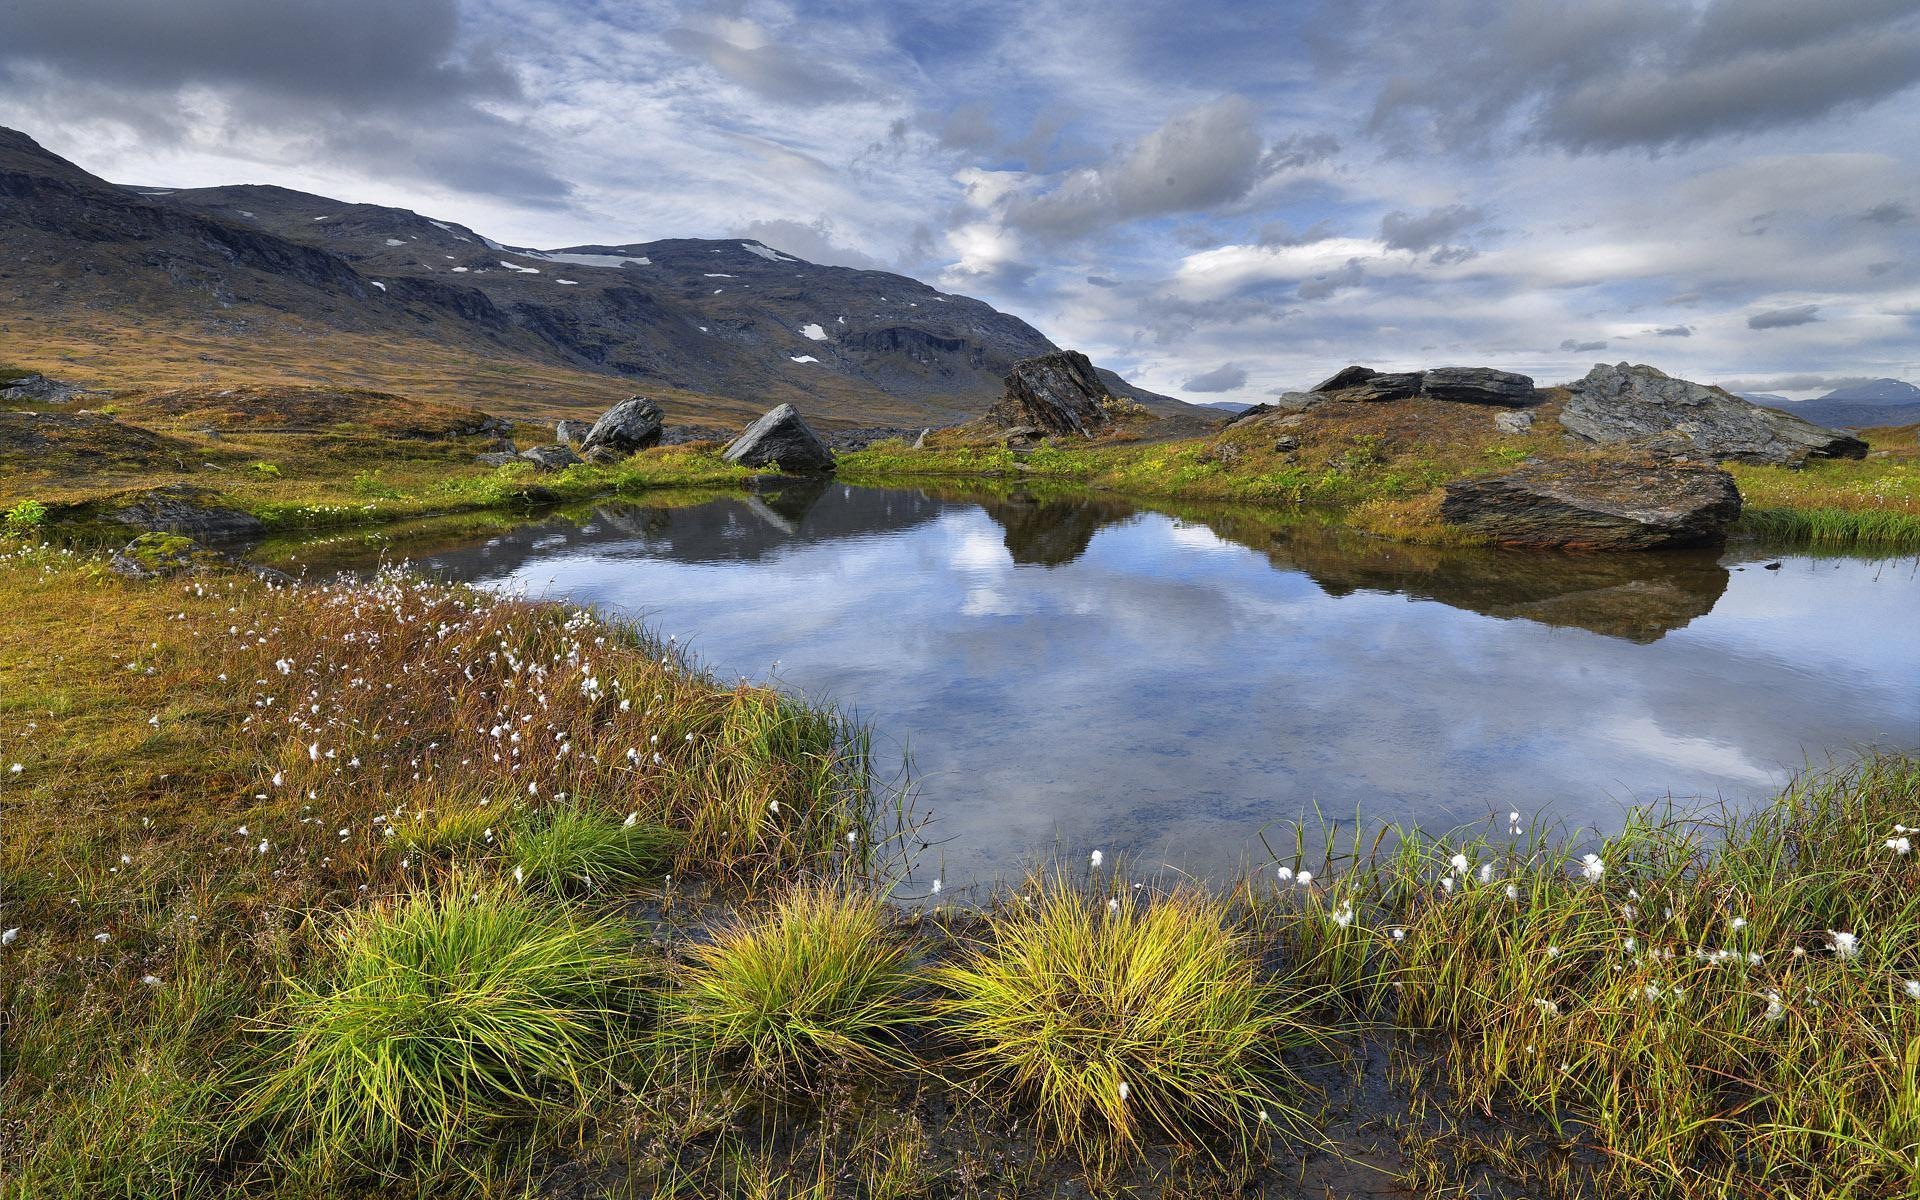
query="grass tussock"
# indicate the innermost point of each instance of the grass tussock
(1116, 1020)
(1724, 1009)
(577, 851)
(816, 986)
(438, 1014)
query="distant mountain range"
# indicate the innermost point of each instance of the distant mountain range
(1861, 406)
(229, 271)
(1227, 406)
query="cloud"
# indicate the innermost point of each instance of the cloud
(1892, 212)
(1102, 281)
(813, 240)
(391, 86)
(1573, 347)
(1803, 382)
(1783, 318)
(778, 70)
(1405, 231)
(1609, 74)
(1674, 331)
(1198, 159)
(1348, 275)
(1225, 378)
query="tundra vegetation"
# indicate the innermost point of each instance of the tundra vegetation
(390, 887)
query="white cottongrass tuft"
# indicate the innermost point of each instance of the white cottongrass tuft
(1592, 867)
(1775, 1009)
(1284, 875)
(10, 936)
(1845, 945)
(1094, 858)
(1459, 862)
(1900, 845)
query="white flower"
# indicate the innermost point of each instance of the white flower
(15, 769)
(852, 837)
(263, 847)
(1592, 866)
(1399, 934)
(1547, 1006)
(519, 876)
(10, 936)
(1629, 943)
(1113, 906)
(1304, 879)
(1738, 923)
(1343, 916)
(935, 890)
(1284, 875)
(1775, 1009)
(102, 936)
(1913, 989)
(313, 752)
(1845, 945)
(773, 806)
(1553, 952)
(1123, 1089)
(1900, 845)
(1459, 862)
(1513, 891)
(1094, 858)
(633, 818)
(1513, 823)
(1446, 885)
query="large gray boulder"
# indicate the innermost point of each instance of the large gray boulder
(1639, 404)
(633, 424)
(1056, 393)
(1596, 506)
(780, 439)
(550, 458)
(1477, 385)
(38, 389)
(571, 433)
(1368, 385)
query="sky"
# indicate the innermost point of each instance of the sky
(1223, 201)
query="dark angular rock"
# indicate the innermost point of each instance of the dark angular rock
(571, 433)
(632, 425)
(1478, 385)
(182, 509)
(1596, 506)
(550, 458)
(1640, 405)
(1366, 385)
(1058, 393)
(780, 438)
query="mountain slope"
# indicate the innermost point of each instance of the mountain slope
(1878, 402)
(310, 283)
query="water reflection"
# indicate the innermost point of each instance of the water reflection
(1072, 667)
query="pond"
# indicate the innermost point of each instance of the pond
(1071, 672)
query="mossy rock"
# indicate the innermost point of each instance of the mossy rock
(155, 555)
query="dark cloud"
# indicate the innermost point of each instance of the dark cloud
(773, 69)
(1893, 212)
(1573, 347)
(1298, 150)
(813, 241)
(1885, 267)
(1225, 378)
(1674, 331)
(1101, 281)
(386, 86)
(1407, 231)
(1322, 286)
(1279, 233)
(1783, 318)
(1198, 159)
(1607, 74)
(969, 127)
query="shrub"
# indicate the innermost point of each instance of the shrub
(1115, 1017)
(441, 1011)
(815, 984)
(267, 469)
(24, 518)
(581, 851)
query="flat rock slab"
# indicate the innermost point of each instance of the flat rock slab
(1638, 404)
(1057, 393)
(1596, 506)
(1462, 385)
(632, 425)
(781, 438)
(183, 509)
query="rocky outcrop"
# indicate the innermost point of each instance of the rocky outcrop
(1462, 385)
(1596, 506)
(632, 425)
(550, 458)
(497, 458)
(37, 389)
(1057, 393)
(1513, 422)
(1642, 406)
(182, 509)
(780, 439)
(571, 433)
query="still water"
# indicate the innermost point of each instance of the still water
(1070, 674)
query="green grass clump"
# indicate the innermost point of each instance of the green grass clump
(816, 985)
(1726, 1008)
(577, 850)
(1114, 1018)
(442, 1012)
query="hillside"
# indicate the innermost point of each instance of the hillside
(1878, 403)
(154, 286)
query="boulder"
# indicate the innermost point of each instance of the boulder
(1477, 385)
(571, 433)
(185, 510)
(550, 458)
(1057, 393)
(1596, 506)
(1367, 385)
(1513, 422)
(780, 438)
(1638, 404)
(38, 389)
(496, 458)
(633, 424)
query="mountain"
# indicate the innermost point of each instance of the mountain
(1765, 399)
(1876, 391)
(1878, 402)
(158, 284)
(1226, 406)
